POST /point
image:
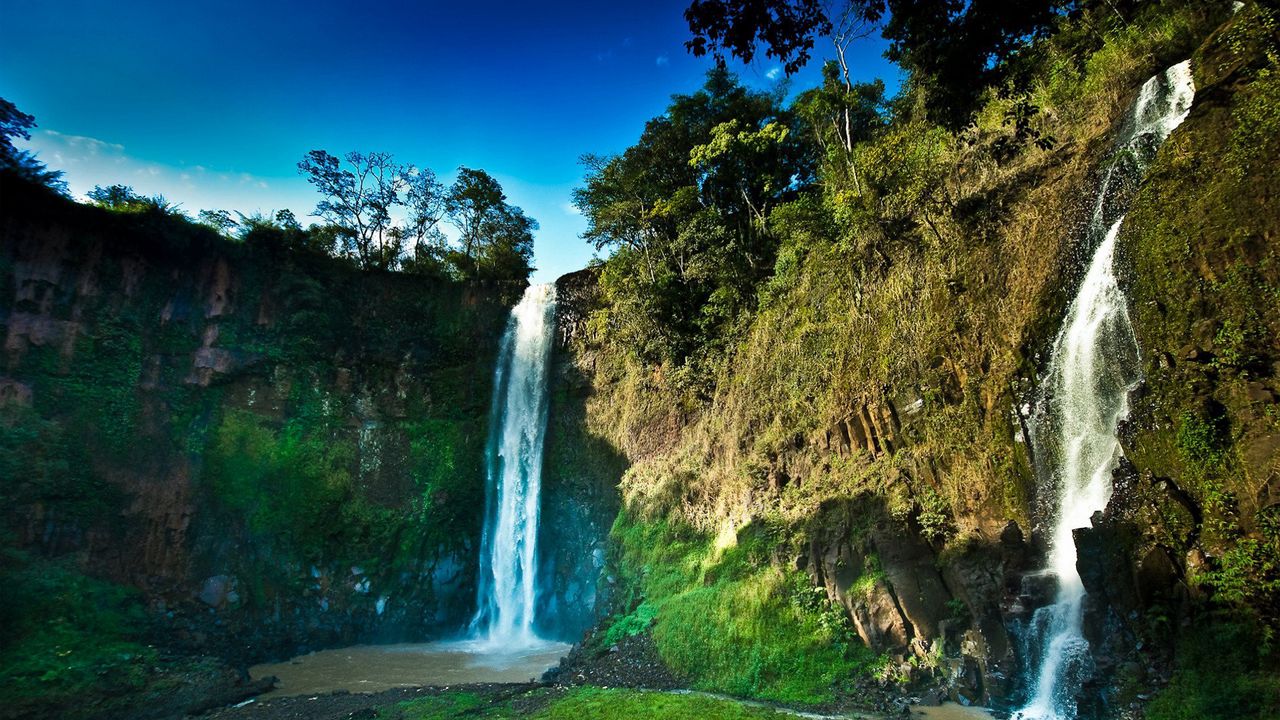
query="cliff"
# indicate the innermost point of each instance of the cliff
(274, 450)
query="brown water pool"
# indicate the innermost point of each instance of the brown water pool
(373, 668)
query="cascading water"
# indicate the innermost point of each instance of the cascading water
(506, 592)
(1093, 368)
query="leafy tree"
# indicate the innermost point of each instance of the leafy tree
(426, 200)
(16, 124)
(683, 212)
(496, 237)
(473, 203)
(840, 114)
(786, 28)
(508, 250)
(219, 220)
(287, 220)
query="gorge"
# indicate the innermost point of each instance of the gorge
(860, 409)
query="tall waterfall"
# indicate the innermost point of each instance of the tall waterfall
(506, 593)
(1093, 368)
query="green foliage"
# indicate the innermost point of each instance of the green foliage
(1221, 675)
(633, 623)
(447, 706)
(934, 515)
(360, 191)
(731, 621)
(23, 164)
(1248, 573)
(1201, 439)
(684, 211)
(1257, 117)
(66, 635)
(289, 483)
(122, 198)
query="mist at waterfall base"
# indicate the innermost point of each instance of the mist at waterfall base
(1093, 367)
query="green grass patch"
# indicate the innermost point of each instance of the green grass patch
(66, 636)
(585, 703)
(730, 620)
(611, 704)
(447, 706)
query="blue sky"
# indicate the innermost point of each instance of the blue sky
(213, 103)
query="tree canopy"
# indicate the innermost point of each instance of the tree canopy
(16, 124)
(954, 49)
(684, 209)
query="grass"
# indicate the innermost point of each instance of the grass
(67, 637)
(586, 703)
(727, 618)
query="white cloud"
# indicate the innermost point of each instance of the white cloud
(570, 209)
(87, 161)
(662, 60)
(774, 73)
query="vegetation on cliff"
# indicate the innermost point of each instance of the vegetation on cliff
(872, 332)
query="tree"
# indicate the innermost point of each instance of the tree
(358, 199)
(122, 198)
(16, 124)
(426, 201)
(955, 49)
(496, 237)
(786, 28)
(219, 220)
(474, 200)
(840, 114)
(508, 248)
(362, 193)
(683, 212)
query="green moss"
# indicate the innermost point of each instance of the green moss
(447, 706)
(632, 624)
(288, 483)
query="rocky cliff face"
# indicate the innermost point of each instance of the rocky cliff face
(580, 477)
(275, 449)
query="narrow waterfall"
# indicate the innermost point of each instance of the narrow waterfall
(1093, 368)
(506, 592)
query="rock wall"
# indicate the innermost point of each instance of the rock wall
(580, 476)
(276, 449)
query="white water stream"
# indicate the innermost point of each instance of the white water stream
(506, 588)
(1093, 368)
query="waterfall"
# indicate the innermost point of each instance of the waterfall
(506, 592)
(1093, 368)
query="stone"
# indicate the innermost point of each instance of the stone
(218, 591)
(1157, 575)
